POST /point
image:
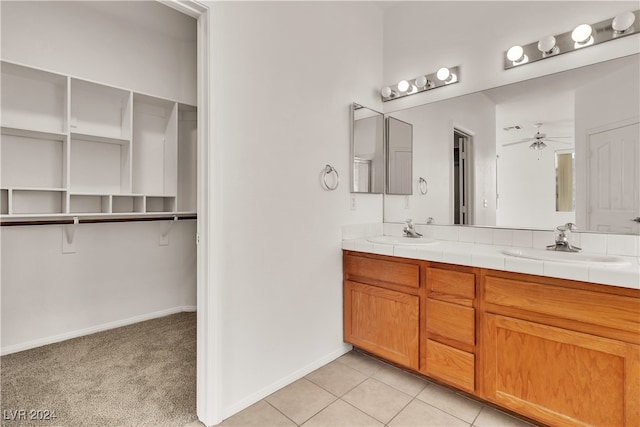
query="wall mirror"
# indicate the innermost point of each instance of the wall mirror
(367, 150)
(512, 134)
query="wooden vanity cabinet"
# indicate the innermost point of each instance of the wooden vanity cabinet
(562, 352)
(448, 313)
(381, 306)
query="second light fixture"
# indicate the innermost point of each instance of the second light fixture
(422, 83)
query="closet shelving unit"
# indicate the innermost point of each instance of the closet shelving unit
(76, 148)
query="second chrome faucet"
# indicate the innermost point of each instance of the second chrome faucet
(562, 239)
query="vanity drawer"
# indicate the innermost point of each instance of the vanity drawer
(452, 286)
(451, 322)
(577, 305)
(451, 365)
(381, 272)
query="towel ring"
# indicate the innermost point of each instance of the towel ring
(328, 170)
(422, 186)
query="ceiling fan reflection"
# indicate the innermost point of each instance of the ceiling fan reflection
(538, 140)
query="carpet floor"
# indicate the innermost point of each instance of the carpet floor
(138, 375)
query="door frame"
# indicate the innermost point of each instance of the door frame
(469, 172)
(209, 289)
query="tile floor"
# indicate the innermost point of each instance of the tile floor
(358, 390)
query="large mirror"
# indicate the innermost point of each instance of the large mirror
(534, 154)
(367, 150)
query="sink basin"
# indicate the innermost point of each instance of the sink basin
(568, 257)
(401, 240)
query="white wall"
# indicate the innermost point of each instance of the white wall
(433, 126)
(142, 46)
(119, 272)
(284, 76)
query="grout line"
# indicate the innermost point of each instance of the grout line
(285, 415)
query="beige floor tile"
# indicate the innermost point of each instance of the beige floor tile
(377, 399)
(419, 414)
(401, 380)
(341, 414)
(194, 424)
(300, 400)
(361, 362)
(490, 417)
(260, 414)
(450, 402)
(336, 378)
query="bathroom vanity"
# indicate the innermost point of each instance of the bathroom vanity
(559, 351)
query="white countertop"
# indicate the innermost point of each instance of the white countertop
(491, 257)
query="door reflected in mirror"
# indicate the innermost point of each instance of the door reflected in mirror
(367, 150)
(400, 156)
(565, 181)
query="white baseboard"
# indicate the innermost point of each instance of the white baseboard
(92, 330)
(294, 376)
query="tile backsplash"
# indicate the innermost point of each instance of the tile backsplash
(611, 244)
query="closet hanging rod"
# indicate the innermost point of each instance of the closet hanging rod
(70, 220)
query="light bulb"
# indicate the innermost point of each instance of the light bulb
(421, 82)
(623, 22)
(515, 54)
(443, 74)
(403, 85)
(547, 45)
(386, 92)
(582, 33)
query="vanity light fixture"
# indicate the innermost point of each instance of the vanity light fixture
(580, 37)
(443, 77)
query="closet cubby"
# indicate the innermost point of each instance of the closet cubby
(89, 203)
(100, 111)
(128, 204)
(71, 146)
(4, 202)
(187, 160)
(160, 204)
(155, 142)
(42, 201)
(33, 99)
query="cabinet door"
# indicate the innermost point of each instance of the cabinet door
(383, 322)
(558, 376)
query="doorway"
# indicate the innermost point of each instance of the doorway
(461, 177)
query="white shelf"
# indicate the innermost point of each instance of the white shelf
(99, 138)
(72, 147)
(33, 133)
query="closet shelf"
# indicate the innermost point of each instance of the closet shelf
(99, 138)
(32, 133)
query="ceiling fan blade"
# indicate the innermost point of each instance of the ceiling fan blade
(555, 137)
(559, 142)
(522, 141)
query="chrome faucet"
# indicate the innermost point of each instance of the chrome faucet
(562, 239)
(409, 230)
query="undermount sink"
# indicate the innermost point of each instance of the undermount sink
(568, 257)
(401, 240)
